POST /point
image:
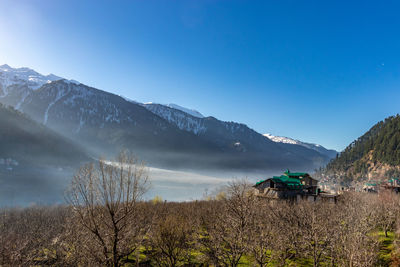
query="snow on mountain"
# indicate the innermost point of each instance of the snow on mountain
(105, 122)
(70, 81)
(182, 119)
(130, 100)
(286, 140)
(85, 103)
(280, 139)
(16, 76)
(192, 112)
(235, 132)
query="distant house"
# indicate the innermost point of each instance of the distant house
(394, 182)
(371, 187)
(391, 184)
(290, 185)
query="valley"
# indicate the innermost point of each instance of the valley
(167, 137)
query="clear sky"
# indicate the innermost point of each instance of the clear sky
(318, 71)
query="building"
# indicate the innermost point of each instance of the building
(371, 187)
(279, 187)
(392, 184)
(291, 185)
(310, 184)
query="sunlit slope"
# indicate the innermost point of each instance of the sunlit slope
(23, 140)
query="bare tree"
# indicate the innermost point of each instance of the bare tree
(105, 200)
(226, 237)
(387, 207)
(170, 240)
(29, 236)
(262, 233)
(317, 222)
(287, 224)
(354, 241)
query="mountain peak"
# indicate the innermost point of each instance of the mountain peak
(5, 67)
(286, 140)
(192, 112)
(31, 78)
(281, 139)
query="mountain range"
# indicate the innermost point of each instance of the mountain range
(167, 136)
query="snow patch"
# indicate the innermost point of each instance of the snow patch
(22, 100)
(60, 94)
(192, 112)
(129, 100)
(81, 123)
(71, 82)
(281, 139)
(287, 140)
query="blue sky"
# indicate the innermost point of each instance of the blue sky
(317, 71)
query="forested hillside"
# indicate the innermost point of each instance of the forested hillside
(376, 154)
(34, 160)
(23, 139)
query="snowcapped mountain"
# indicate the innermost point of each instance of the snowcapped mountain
(239, 136)
(280, 139)
(199, 126)
(167, 135)
(192, 112)
(227, 133)
(16, 84)
(286, 140)
(17, 76)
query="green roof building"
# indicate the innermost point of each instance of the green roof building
(288, 185)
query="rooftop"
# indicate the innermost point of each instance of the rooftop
(291, 179)
(295, 174)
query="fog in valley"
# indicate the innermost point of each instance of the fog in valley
(47, 185)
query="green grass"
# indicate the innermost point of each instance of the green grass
(386, 248)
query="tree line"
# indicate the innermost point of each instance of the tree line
(107, 223)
